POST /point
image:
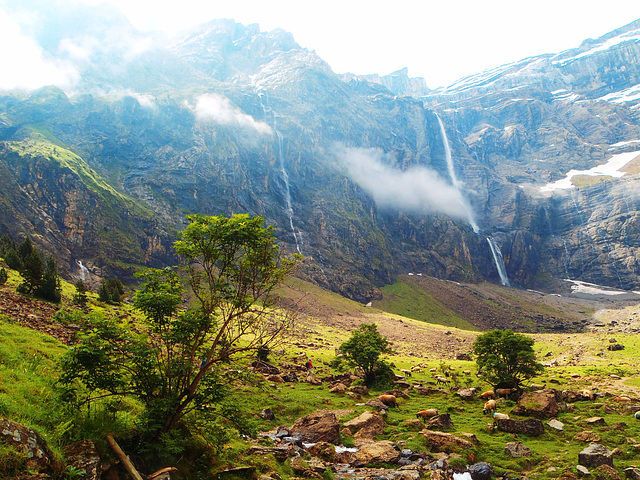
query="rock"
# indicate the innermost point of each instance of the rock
(320, 426)
(582, 471)
(267, 414)
(632, 473)
(26, 440)
(440, 422)
(445, 442)
(375, 452)
(586, 437)
(480, 471)
(567, 475)
(264, 367)
(531, 426)
(466, 393)
(595, 455)
(84, 456)
(556, 424)
(290, 377)
(275, 378)
(463, 356)
(281, 452)
(359, 389)
(313, 380)
(606, 472)
(375, 403)
(338, 388)
(307, 468)
(540, 404)
(366, 425)
(413, 424)
(594, 421)
(517, 450)
(323, 450)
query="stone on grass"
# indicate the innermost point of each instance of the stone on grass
(632, 473)
(531, 426)
(440, 422)
(366, 425)
(586, 436)
(606, 472)
(480, 471)
(540, 404)
(582, 471)
(445, 442)
(594, 421)
(556, 424)
(517, 450)
(338, 388)
(595, 455)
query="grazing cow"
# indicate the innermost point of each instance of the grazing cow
(389, 400)
(490, 406)
(427, 413)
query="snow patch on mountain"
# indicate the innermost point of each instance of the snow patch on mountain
(630, 94)
(632, 36)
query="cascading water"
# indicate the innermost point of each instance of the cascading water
(297, 236)
(498, 259)
(452, 174)
(84, 271)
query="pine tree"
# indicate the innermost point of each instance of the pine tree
(50, 288)
(31, 267)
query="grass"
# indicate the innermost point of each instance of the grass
(411, 301)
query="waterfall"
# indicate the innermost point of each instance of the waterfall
(567, 259)
(452, 175)
(297, 235)
(84, 271)
(499, 261)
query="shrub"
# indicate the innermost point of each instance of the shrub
(3, 276)
(111, 290)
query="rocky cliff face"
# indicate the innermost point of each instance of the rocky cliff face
(357, 178)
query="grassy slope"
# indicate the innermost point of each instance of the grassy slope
(28, 367)
(411, 301)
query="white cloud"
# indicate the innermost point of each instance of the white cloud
(219, 109)
(418, 189)
(23, 62)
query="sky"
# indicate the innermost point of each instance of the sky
(440, 41)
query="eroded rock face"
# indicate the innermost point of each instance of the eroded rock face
(320, 426)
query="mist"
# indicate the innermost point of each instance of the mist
(418, 189)
(219, 109)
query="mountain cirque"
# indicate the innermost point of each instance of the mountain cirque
(228, 119)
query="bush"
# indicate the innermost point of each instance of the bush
(505, 358)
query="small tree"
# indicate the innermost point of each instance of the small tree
(110, 290)
(50, 288)
(233, 266)
(364, 350)
(80, 298)
(3, 276)
(505, 358)
(31, 267)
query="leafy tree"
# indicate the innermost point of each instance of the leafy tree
(506, 358)
(364, 350)
(111, 290)
(233, 266)
(50, 288)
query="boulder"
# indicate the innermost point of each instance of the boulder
(466, 393)
(375, 403)
(290, 377)
(595, 455)
(445, 442)
(320, 426)
(366, 425)
(323, 450)
(632, 473)
(594, 421)
(275, 378)
(539, 404)
(517, 450)
(480, 471)
(338, 388)
(280, 452)
(582, 471)
(359, 389)
(440, 422)
(267, 414)
(556, 424)
(413, 424)
(374, 452)
(29, 442)
(265, 367)
(606, 472)
(586, 436)
(83, 455)
(311, 468)
(531, 426)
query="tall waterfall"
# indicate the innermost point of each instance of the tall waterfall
(297, 235)
(452, 174)
(498, 259)
(495, 250)
(84, 271)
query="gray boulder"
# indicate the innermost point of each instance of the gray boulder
(595, 455)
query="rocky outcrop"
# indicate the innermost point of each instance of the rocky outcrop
(365, 425)
(320, 426)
